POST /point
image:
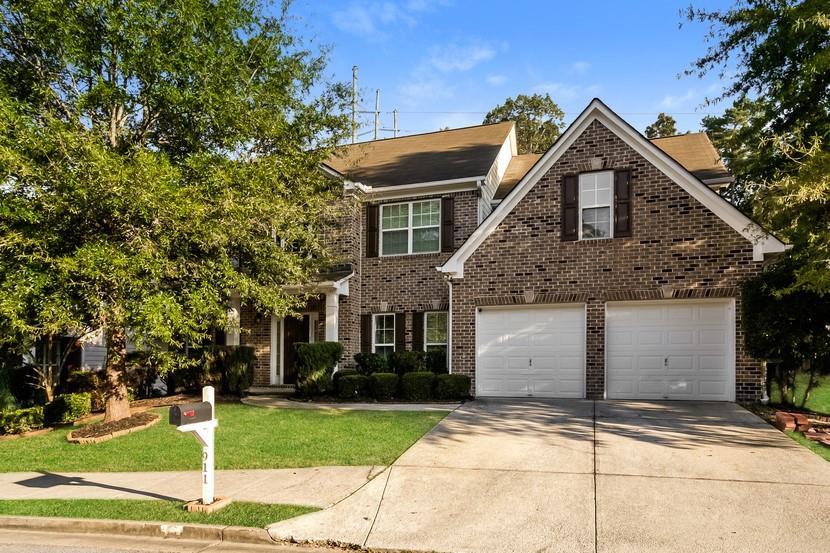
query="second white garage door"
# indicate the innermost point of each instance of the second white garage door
(670, 350)
(531, 352)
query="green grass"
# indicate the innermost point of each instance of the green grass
(247, 438)
(818, 449)
(257, 515)
(819, 401)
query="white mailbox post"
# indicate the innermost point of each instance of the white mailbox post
(200, 420)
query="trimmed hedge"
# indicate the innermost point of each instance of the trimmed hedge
(436, 361)
(67, 408)
(316, 362)
(417, 386)
(352, 386)
(370, 363)
(21, 420)
(383, 385)
(452, 386)
(403, 362)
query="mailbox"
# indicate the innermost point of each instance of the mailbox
(189, 413)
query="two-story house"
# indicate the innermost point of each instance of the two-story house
(606, 267)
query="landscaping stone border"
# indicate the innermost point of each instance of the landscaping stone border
(111, 435)
(30, 433)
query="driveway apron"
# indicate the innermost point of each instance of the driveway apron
(582, 476)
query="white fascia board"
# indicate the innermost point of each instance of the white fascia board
(596, 110)
(425, 188)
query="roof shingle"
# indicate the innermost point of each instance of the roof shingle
(420, 158)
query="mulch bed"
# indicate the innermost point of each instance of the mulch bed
(103, 431)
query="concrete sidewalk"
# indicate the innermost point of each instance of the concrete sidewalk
(315, 487)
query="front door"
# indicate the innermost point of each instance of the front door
(294, 330)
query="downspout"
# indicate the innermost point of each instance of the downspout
(449, 326)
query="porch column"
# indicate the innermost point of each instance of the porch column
(332, 315)
(234, 310)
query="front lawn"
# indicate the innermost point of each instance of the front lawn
(817, 448)
(247, 438)
(256, 515)
(819, 401)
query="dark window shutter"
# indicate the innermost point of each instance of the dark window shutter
(400, 331)
(418, 331)
(372, 230)
(622, 203)
(447, 224)
(570, 207)
(366, 333)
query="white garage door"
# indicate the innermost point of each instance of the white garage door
(670, 350)
(531, 352)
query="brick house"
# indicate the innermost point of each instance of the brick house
(606, 267)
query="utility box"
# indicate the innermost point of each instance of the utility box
(190, 413)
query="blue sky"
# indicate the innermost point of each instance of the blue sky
(447, 62)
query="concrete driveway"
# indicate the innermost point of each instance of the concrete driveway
(530, 475)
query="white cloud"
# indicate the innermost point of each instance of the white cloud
(457, 57)
(424, 90)
(369, 20)
(580, 67)
(495, 80)
(670, 101)
(557, 90)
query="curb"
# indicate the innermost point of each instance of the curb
(205, 532)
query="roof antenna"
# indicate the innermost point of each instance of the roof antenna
(377, 112)
(354, 104)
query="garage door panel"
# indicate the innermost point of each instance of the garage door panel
(712, 337)
(676, 350)
(553, 337)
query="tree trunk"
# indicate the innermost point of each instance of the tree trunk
(118, 404)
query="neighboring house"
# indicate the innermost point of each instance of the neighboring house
(605, 267)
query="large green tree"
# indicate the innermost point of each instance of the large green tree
(664, 125)
(151, 152)
(776, 135)
(539, 120)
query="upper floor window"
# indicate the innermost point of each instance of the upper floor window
(411, 227)
(596, 198)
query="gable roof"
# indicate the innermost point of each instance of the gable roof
(695, 152)
(466, 153)
(517, 168)
(763, 243)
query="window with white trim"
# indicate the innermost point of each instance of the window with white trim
(383, 333)
(596, 202)
(411, 227)
(435, 331)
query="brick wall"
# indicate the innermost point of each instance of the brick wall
(409, 283)
(676, 243)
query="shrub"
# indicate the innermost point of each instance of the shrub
(89, 382)
(452, 386)
(417, 386)
(228, 368)
(436, 361)
(383, 385)
(67, 408)
(21, 420)
(340, 374)
(231, 366)
(352, 386)
(370, 363)
(403, 362)
(7, 400)
(315, 364)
